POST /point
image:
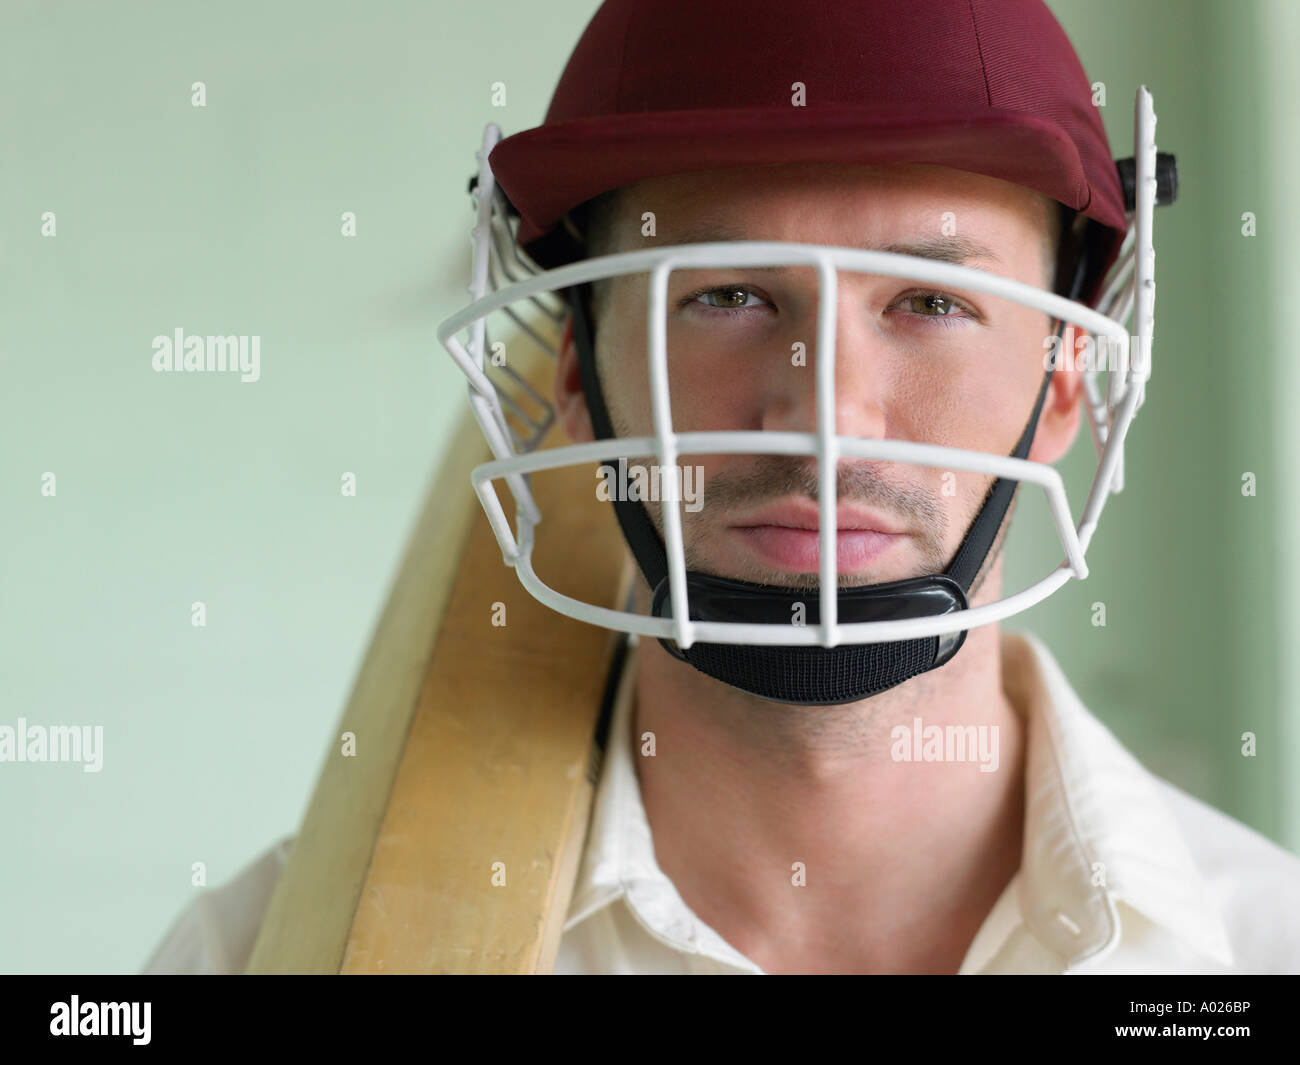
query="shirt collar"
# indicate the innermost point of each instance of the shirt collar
(1097, 832)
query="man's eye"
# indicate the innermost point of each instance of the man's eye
(728, 298)
(934, 305)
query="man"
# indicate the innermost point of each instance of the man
(797, 809)
(741, 787)
(1068, 857)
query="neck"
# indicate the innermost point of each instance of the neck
(901, 860)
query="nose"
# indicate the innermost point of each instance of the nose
(860, 376)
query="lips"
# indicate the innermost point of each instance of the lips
(786, 537)
(806, 516)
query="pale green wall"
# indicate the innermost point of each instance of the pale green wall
(176, 488)
(1277, 31)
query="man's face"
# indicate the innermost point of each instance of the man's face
(914, 361)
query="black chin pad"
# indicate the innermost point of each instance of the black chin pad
(812, 675)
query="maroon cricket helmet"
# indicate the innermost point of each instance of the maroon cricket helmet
(658, 87)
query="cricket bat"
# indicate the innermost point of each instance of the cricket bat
(449, 840)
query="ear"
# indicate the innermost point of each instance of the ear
(1059, 421)
(570, 400)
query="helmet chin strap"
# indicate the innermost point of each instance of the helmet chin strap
(802, 674)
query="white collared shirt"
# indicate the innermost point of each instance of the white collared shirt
(1121, 872)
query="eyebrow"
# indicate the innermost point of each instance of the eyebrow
(955, 250)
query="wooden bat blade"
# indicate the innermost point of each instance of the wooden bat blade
(450, 842)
